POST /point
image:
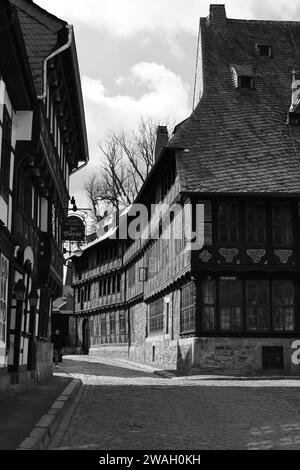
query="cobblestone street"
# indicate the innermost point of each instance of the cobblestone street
(121, 408)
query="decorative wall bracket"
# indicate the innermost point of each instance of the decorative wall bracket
(256, 254)
(229, 254)
(205, 256)
(283, 255)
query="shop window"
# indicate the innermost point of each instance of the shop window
(231, 304)
(187, 308)
(257, 305)
(156, 316)
(209, 305)
(283, 305)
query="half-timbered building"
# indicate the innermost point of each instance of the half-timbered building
(232, 304)
(43, 143)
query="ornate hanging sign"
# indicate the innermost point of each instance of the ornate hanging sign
(73, 229)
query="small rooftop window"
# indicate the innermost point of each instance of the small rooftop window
(246, 82)
(264, 50)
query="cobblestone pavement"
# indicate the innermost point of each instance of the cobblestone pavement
(121, 408)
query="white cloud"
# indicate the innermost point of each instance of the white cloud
(166, 97)
(127, 18)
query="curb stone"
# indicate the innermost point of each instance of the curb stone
(46, 427)
(135, 365)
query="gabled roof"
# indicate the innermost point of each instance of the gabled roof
(238, 139)
(40, 32)
(43, 34)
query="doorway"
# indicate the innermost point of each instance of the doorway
(85, 337)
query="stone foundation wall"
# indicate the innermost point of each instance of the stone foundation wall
(113, 351)
(230, 355)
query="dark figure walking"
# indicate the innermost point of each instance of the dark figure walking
(57, 347)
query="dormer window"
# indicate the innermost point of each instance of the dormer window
(246, 81)
(242, 76)
(264, 50)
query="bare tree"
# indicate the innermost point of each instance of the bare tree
(126, 160)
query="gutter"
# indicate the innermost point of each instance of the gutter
(53, 54)
(79, 168)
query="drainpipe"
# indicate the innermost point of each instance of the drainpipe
(54, 54)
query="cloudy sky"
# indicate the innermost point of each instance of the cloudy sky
(137, 58)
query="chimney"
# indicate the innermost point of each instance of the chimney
(162, 139)
(217, 16)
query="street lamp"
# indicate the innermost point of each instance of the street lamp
(33, 299)
(19, 291)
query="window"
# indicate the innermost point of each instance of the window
(207, 222)
(131, 320)
(209, 305)
(103, 326)
(118, 283)
(283, 305)
(156, 316)
(165, 252)
(272, 357)
(100, 287)
(228, 223)
(179, 233)
(3, 306)
(264, 50)
(255, 224)
(26, 200)
(122, 323)
(104, 290)
(257, 305)
(113, 284)
(245, 81)
(167, 317)
(282, 225)
(187, 308)
(131, 276)
(5, 151)
(230, 293)
(112, 318)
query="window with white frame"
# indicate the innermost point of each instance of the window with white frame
(3, 307)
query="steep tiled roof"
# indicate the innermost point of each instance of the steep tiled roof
(40, 31)
(238, 139)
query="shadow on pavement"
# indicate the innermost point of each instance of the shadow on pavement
(20, 413)
(100, 369)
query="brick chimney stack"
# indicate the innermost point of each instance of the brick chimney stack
(162, 139)
(217, 16)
